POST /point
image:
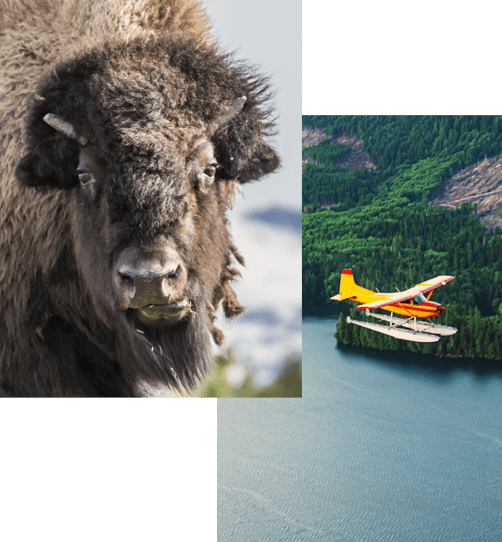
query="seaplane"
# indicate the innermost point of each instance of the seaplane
(410, 303)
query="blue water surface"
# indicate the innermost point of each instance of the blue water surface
(381, 447)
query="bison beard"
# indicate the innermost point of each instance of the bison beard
(176, 356)
(113, 235)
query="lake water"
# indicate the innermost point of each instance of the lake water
(381, 447)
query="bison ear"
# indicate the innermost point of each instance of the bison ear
(245, 158)
(239, 142)
(52, 151)
(34, 172)
(28, 173)
(263, 161)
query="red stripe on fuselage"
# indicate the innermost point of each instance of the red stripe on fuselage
(424, 309)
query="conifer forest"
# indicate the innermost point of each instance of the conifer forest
(380, 222)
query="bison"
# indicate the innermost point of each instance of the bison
(125, 133)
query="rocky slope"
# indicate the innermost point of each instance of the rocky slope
(310, 136)
(356, 159)
(480, 184)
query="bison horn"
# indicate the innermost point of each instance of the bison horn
(64, 127)
(232, 111)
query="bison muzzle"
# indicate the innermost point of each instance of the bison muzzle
(152, 280)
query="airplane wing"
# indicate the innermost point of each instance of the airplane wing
(398, 297)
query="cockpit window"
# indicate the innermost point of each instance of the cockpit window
(419, 298)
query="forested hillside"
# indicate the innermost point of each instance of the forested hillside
(379, 223)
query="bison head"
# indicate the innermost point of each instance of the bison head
(148, 140)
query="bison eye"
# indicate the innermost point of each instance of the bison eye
(210, 171)
(85, 177)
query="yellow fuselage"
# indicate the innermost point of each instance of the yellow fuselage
(421, 310)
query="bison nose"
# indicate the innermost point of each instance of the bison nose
(143, 279)
(147, 288)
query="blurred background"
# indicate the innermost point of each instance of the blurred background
(264, 343)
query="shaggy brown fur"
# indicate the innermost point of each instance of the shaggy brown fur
(143, 83)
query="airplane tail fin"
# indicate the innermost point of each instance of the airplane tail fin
(348, 286)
